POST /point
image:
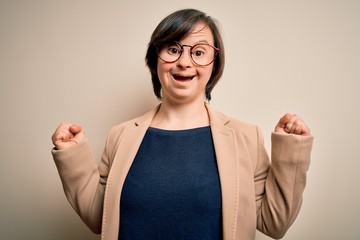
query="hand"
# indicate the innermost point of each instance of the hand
(66, 135)
(292, 124)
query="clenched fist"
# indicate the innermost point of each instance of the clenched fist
(66, 135)
(292, 124)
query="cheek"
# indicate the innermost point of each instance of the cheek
(207, 72)
(158, 69)
(162, 69)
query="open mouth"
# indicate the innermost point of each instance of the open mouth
(182, 78)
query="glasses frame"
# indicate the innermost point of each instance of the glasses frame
(191, 56)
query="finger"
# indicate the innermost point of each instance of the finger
(297, 129)
(75, 129)
(280, 126)
(294, 121)
(303, 130)
(285, 119)
(289, 127)
(78, 133)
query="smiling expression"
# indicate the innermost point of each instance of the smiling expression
(183, 81)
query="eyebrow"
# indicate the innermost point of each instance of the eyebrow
(202, 41)
(198, 42)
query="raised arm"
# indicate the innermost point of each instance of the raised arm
(281, 199)
(83, 184)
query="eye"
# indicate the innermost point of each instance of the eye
(199, 50)
(199, 53)
(173, 50)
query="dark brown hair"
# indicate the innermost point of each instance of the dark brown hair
(175, 27)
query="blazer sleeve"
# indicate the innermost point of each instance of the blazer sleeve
(84, 181)
(279, 192)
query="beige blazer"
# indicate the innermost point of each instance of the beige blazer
(255, 193)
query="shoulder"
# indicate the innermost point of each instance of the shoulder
(120, 129)
(251, 133)
(237, 125)
(247, 134)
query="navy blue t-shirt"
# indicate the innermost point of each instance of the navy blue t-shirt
(172, 190)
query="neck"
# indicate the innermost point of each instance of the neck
(181, 116)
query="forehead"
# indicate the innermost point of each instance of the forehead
(200, 33)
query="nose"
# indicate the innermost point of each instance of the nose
(185, 59)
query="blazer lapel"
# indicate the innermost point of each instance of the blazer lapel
(123, 160)
(129, 146)
(234, 169)
(225, 144)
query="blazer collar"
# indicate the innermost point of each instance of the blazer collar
(147, 117)
(215, 117)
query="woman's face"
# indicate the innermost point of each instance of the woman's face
(183, 81)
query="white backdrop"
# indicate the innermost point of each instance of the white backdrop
(83, 61)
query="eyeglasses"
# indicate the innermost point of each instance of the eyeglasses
(202, 54)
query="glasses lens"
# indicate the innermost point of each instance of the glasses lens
(203, 54)
(170, 52)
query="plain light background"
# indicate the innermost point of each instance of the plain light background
(83, 61)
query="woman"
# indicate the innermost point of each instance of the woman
(184, 170)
